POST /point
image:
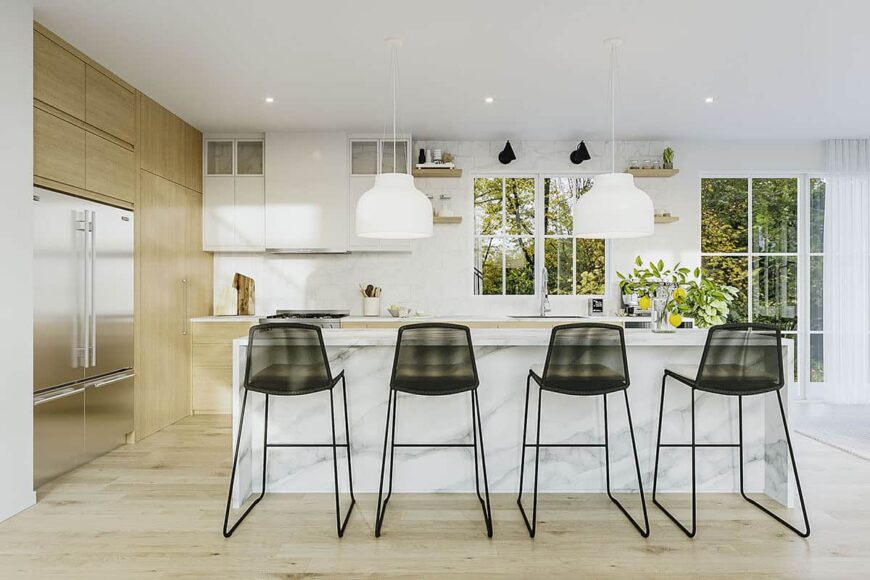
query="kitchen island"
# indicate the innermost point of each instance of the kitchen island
(504, 356)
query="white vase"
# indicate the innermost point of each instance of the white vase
(371, 306)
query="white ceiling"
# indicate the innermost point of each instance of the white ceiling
(778, 69)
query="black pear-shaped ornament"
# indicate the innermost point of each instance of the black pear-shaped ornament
(507, 154)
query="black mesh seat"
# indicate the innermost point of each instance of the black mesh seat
(582, 360)
(288, 359)
(738, 360)
(433, 360)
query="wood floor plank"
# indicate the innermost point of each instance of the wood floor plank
(154, 510)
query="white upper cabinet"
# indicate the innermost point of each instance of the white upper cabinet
(307, 192)
(234, 197)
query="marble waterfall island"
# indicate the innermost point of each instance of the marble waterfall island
(503, 359)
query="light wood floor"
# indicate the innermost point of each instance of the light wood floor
(155, 510)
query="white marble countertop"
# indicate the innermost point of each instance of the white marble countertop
(506, 337)
(449, 318)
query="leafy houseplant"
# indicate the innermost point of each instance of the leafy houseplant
(677, 291)
(668, 158)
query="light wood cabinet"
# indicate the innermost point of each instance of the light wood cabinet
(110, 106)
(58, 77)
(58, 149)
(162, 141)
(174, 283)
(192, 158)
(212, 364)
(109, 168)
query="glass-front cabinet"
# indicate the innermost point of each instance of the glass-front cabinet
(233, 157)
(370, 156)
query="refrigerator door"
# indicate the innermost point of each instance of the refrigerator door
(58, 432)
(110, 296)
(108, 413)
(59, 294)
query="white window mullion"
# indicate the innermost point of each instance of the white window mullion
(750, 257)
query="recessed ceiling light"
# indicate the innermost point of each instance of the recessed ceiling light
(708, 100)
(270, 99)
(488, 100)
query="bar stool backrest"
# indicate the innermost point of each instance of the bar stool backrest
(586, 357)
(742, 359)
(434, 355)
(286, 358)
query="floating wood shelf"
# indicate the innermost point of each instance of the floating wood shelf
(436, 172)
(653, 172)
(454, 219)
(666, 219)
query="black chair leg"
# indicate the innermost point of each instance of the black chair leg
(389, 435)
(644, 531)
(229, 532)
(806, 532)
(340, 526)
(694, 529)
(477, 433)
(531, 525)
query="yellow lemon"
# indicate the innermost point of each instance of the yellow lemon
(644, 303)
(679, 294)
(675, 319)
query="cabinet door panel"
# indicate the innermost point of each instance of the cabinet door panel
(109, 168)
(358, 186)
(162, 141)
(58, 149)
(250, 213)
(58, 77)
(218, 218)
(306, 190)
(193, 158)
(109, 106)
(162, 392)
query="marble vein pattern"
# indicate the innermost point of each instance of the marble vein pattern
(503, 359)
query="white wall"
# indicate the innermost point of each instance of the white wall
(16, 255)
(437, 276)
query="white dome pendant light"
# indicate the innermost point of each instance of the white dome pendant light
(614, 207)
(394, 209)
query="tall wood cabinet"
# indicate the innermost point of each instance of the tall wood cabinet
(174, 285)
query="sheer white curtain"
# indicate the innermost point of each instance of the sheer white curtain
(847, 272)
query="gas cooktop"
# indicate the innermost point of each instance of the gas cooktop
(322, 318)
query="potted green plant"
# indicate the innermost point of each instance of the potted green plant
(675, 292)
(668, 158)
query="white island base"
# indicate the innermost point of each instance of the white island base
(503, 360)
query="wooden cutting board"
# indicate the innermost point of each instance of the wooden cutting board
(245, 287)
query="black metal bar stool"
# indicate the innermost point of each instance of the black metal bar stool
(434, 360)
(738, 360)
(288, 359)
(582, 360)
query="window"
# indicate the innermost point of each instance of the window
(574, 266)
(504, 235)
(509, 240)
(816, 279)
(749, 240)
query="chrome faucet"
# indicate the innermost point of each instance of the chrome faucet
(545, 297)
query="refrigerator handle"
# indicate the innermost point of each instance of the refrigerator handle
(86, 319)
(184, 314)
(61, 395)
(93, 321)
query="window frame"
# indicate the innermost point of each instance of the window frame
(800, 336)
(539, 235)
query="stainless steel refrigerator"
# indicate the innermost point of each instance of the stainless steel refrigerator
(82, 331)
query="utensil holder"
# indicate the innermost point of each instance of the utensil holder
(371, 306)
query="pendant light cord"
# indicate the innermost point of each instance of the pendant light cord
(395, 75)
(613, 108)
